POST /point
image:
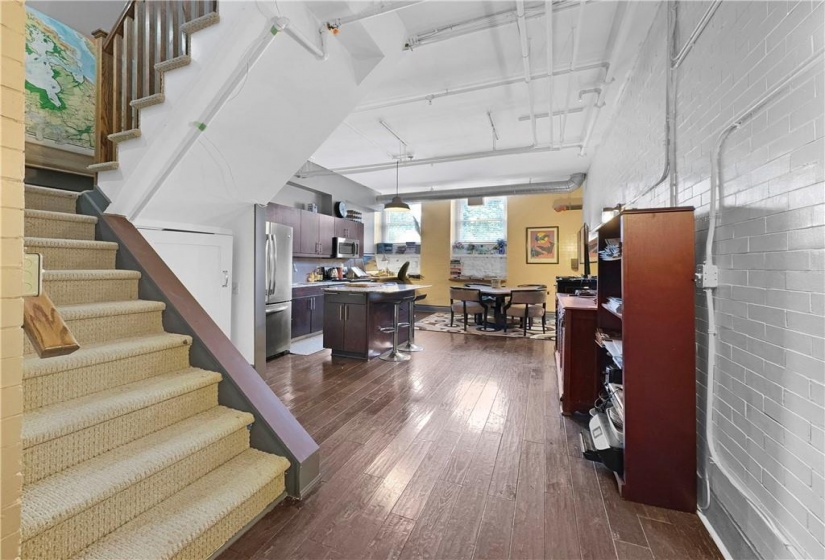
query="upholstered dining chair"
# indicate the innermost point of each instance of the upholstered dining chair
(468, 302)
(527, 304)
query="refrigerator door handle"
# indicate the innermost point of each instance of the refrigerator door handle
(274, 246)
(267, 267)
(276, 308)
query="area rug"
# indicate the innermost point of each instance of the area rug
(440, 322)
(307, 346)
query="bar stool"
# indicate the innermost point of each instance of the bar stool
(393, 354)
(410, 345)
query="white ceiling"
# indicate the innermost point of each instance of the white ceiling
(458, 124)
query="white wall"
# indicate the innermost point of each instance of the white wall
(770, 415)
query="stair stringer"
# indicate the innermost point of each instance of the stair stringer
(268, 127)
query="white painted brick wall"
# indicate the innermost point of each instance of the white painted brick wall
(770, 241)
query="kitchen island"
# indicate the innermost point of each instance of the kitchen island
(354, 314)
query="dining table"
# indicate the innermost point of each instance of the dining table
(499, 295)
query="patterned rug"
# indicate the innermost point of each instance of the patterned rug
(441, 322)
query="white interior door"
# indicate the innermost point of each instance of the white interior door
(203, 263)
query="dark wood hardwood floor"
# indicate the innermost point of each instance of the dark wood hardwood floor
(459, 453)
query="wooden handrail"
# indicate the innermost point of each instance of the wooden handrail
(147, 33)
(45, 328)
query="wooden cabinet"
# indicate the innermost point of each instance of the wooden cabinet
(313, 232)
(576, 360)
(654, 279)
(345, 324)
(307, 311)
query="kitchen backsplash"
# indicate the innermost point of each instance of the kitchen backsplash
(483, 266)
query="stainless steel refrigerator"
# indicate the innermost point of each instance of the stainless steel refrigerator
(278, 266)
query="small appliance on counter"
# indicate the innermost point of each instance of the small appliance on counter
(278, 283)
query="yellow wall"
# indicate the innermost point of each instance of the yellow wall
(535, 211)
(436, 221)
(522, 212)
(12, 22)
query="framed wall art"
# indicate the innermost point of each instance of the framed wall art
(542, 245)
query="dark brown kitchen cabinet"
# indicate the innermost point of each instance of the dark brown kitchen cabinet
(307, 311)
(313, 232)
(345, 323)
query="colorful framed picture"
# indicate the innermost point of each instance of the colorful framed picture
(543, 245)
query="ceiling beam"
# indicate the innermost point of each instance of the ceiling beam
(470, 88)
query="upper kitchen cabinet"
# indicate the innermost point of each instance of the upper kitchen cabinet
(313, 232)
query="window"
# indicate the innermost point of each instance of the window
(486, 223)
(401, 227)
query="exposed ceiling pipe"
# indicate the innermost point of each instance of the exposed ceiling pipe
(683, 52)
(525, 61)
(379, 10)
(625, 12)
(394, 133)
(493, 126)
(370, 168)
(283, 24)
(577, 35)
(558, 113)
(368, 139)
(482, 23)
(548, 21)
(568, 185)
(470, 88)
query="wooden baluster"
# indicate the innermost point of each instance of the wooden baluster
(144, 48)
(139, 54)
(150, 40)
(128, 71)
(187, 11)
(161, 36)
(103, 85)
(118, 70)
(175, 16)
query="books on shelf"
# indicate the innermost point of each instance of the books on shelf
(614, 304)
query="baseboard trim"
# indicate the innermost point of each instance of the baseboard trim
(715, 536)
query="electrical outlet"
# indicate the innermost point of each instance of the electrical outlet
(707, 276)
(32, 274)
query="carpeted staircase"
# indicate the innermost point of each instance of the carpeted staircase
(126, 452)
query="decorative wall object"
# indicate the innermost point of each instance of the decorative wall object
(542, 245)
(60, 85)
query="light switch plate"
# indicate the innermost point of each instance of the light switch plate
(32, 274)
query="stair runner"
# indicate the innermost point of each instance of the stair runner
(126, 452)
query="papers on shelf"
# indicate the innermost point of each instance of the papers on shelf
(614, 304)
(612, 250)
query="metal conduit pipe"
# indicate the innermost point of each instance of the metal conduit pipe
(677, 60)
(525, 61)
(627, 17)
(379, 10)
(577, 32)
(548, 22)
(571, 184)
(283, 24)
(369, 168)
(472, 88)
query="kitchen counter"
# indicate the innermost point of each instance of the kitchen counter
(354, 314)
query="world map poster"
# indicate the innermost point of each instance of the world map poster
(60, 85)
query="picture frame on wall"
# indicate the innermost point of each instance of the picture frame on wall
(543, 245)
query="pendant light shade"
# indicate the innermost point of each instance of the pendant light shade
(396, 204)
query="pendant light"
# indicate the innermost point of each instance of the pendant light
(396, 204)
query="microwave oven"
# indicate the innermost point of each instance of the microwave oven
(343, 248)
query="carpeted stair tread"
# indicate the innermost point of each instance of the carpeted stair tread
(45, 198)
(63, 216)
(92, 354)
(51, 422)
(75, 287)
(69, 243)
(90, 275)
(179, 526)
(62, 495)
(108, 309)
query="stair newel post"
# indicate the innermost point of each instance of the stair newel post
(103, 98)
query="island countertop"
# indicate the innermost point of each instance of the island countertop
(374, 288)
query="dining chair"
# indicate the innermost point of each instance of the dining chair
(467, 301)
(526, 304)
